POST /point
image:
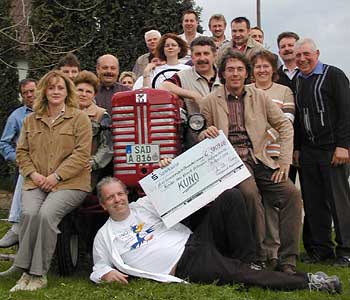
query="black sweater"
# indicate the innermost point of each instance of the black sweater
(323, 108)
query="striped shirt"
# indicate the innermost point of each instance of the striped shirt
(237, 133)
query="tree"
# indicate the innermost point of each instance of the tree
(92, 28)
(8, 74)
(89, 28)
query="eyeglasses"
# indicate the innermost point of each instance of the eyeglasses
(232, 70)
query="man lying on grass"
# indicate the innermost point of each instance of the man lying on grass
(134, 241)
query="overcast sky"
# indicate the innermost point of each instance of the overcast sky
(327, 22)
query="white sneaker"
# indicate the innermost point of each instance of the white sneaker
(320, 281)
(36, 282)
(21, 283)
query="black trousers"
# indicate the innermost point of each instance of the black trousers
(222, 244)
(326, 195)
(293, 173)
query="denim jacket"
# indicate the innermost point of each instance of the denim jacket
(11, 132)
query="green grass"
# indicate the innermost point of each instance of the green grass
(79, 287)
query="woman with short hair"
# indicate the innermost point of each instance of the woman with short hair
(128, 79)
(102, 146)
(264, 63)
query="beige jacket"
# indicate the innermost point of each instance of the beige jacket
(259, 113)
(63, 147)
(141, 63)
(192, 81)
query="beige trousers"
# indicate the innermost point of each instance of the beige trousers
(41, 214)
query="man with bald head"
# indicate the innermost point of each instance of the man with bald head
(107, 69)
(322, 150)
(151, 38)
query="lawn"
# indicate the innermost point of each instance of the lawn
(79, 287)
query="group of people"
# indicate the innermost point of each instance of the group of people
(280, 120)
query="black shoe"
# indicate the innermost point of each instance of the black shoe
(342, 261)
(315, 258)
(320, 281)
(310, 259)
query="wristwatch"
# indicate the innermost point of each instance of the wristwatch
(58, 178)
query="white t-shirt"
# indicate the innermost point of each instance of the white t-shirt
(144, 242)
(187, 58)
(165, 74)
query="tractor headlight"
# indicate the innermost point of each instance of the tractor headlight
(196, 122)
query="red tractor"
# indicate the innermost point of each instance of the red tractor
(147, 125)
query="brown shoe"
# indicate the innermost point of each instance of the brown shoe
(272, 264)
(288, 269)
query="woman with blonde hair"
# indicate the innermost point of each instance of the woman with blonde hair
(127, 78)
(53, 153)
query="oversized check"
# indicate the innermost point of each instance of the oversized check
(194, 178)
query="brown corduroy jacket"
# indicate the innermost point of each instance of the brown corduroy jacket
(63, 147)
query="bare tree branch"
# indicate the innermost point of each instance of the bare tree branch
(78, 9)
(30, 69)
(9, 49)
(65, 52)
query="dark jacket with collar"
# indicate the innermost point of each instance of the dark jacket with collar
(284, 79)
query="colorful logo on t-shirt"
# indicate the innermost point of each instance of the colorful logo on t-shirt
(141, 235)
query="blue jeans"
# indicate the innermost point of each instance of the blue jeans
(15, 210)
